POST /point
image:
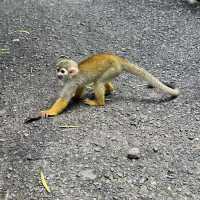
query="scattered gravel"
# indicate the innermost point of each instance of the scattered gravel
(88, 174)
(90, 162)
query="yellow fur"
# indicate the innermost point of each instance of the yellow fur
(57, 108)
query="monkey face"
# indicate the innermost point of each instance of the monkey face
(66, 69)
(62, 73)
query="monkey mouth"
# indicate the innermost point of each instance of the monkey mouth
(60, 77)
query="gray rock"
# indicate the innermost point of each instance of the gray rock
(155, 149)
(133, 153)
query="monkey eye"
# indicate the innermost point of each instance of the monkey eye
(62, 71)
(57, 69)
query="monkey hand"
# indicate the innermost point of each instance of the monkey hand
(56, 109)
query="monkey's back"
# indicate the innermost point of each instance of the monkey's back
(99, 62)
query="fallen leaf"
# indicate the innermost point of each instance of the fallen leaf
(23, 31)
(68, 126)
(44, 182)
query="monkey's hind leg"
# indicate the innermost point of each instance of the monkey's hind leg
(99, 90)
(108, 88)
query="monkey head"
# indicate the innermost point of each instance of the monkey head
(66, 68)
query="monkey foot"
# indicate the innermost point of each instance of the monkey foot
(91, 102)
(109, 88)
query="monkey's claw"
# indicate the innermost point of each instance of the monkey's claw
(46, 113)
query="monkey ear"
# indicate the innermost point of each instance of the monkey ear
(73, 71)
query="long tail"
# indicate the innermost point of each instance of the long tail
(145, 75)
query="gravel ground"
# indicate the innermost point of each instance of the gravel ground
(90, 161)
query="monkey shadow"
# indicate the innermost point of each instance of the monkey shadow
(75, 104)
(144, 100)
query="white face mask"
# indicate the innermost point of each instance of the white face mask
(62, 73)
(66, 74)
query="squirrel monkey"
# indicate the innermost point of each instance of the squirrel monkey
(99, 69)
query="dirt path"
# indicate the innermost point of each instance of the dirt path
(89, 162)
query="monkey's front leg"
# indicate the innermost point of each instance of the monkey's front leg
(62, 102)
(56, 108)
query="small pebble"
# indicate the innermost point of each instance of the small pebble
(191, 137)
(134, 153)
(29, 157)
(155, 149)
